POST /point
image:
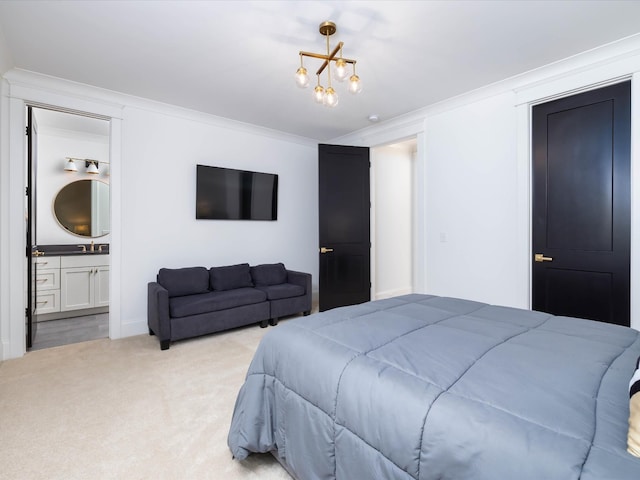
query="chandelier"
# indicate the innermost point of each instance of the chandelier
(328, 96)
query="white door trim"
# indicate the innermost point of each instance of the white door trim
(13, 161)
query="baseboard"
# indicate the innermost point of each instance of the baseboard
(393, 293)
(130, 329)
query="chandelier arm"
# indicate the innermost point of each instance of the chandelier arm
(329, 58)
(327, 63)
(314, 55)
(325, 57)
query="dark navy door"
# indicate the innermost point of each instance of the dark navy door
(581, 205)
(344, 229)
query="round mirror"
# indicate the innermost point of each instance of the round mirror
(82, 208)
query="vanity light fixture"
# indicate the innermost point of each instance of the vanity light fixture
(90, 164)
(328, 96)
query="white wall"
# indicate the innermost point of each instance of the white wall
(154, 149)
(473, 159)
(53, 146)
(393, 215)
(159, 229)
(476, 175)
(6, 60)
(470, 201)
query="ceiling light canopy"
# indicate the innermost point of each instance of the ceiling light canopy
(328, 96)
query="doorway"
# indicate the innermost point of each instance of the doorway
(393, 197)
(69, 195)
(581, 205)
(367, 222)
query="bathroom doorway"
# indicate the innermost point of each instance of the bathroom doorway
(394, 226)
(69, 241)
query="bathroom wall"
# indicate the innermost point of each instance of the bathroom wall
(59, 137)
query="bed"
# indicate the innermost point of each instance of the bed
(426, 387)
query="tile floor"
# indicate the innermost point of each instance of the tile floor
(54, 333)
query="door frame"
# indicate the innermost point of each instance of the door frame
(525, 100)
(13, 174)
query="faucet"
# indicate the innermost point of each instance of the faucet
(91, 246)
(84, 248)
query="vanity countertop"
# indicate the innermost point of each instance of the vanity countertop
(66, 250)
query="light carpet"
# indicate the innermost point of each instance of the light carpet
(124, 409)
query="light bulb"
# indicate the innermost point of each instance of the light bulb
(318, 94)
(302, 79)
(330, 98)
(340, 72)
(355, 85)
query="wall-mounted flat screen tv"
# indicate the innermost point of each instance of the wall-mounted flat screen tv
(229, 194)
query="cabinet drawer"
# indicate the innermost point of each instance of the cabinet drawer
(47, 262)
(87, 260)
(48, 302)
(47, 279)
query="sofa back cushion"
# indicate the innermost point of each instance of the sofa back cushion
(269, 274)
(230, 277)
(184, 281)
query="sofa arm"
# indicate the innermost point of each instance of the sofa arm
(304, 280)
(158, 313)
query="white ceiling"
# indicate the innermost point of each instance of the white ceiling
(236, 59)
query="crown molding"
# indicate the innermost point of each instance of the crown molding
(606, 63)
(33, 86)
(396, 129)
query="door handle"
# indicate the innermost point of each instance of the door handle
(325, 250)
(539, 257)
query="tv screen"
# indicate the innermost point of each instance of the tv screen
(228, 194)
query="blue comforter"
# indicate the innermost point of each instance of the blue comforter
(433, 388)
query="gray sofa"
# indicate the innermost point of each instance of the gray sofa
(188, 302)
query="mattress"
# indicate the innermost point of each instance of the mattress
(426, 387)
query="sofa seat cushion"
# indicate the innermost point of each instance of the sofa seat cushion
(184, 281)
(230, 277)
(269, 274)
(284, 290)
(214, 301)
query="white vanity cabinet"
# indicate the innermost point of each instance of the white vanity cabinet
(84, 282)
(47, 283)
